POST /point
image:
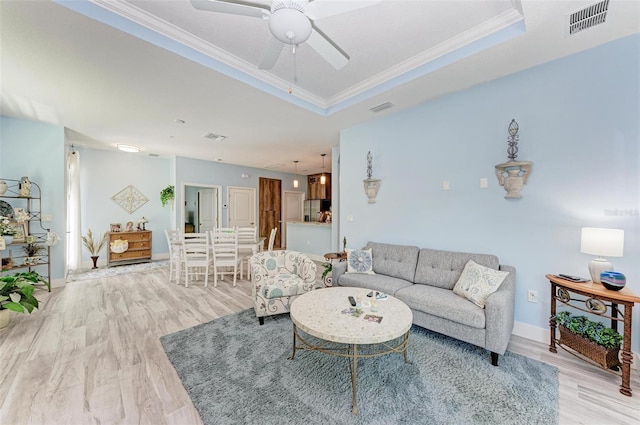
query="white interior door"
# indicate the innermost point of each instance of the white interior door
(207, 209)
(293, 205)
(242, 206)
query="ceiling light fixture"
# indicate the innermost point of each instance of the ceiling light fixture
(323, 178)
(128, 148)
(295, 180)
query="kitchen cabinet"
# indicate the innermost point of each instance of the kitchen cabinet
(316, 189)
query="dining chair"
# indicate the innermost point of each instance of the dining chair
(174, 240)
(249, 235)
(195, 257)
(224, 244)
(272, 238)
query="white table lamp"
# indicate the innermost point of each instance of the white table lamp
(601, 242)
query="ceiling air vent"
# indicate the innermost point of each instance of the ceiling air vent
(588, 17)
(214, 137)
(154, 155)
(381, 107)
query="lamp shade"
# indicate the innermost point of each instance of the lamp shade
(602, 242)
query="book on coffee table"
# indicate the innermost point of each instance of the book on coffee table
(373, 318)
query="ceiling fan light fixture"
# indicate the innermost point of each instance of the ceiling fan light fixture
(290, 26)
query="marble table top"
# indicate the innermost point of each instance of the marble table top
(319, 313)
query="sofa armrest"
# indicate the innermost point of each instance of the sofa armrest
(499, 311)
(339, 268)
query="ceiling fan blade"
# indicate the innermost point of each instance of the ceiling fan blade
(327, 49)
(273, 53)
(319, 9)
(232, 7)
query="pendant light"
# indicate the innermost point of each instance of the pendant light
(295, 180)
(323, 178)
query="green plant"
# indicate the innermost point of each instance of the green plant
(16, 292)
(594, 331)
(327, 268)
(33, 249)
(93, 246)
(5, 227)
(167, 194)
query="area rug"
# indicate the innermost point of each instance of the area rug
(87, 274)
(237, 372)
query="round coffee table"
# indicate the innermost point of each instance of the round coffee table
(320, 314)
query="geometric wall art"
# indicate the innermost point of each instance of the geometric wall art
(130, 199)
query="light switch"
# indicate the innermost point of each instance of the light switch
(350, 217)
(484, 183)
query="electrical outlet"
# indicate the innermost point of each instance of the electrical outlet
(532, 296)
(445, 185)
(47, 217)
(484, 183)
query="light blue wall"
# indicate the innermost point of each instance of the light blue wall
(578, 120)
(36, 150)
(225, 175)
(105, 173)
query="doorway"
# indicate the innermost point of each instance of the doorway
(202, 208)
(270, 209)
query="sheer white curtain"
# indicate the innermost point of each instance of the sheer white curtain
(74, 231)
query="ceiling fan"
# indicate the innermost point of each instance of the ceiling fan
(291, 22)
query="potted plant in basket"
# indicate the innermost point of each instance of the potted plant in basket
(592, 339)
(94, 246)
(16, 294)
(167, 194)
(32, 251)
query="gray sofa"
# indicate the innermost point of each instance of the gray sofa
(424, 280)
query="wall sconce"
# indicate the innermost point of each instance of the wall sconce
(295, 180)
(323, 178)
(513, 175)
(371, 185)
(601, 242)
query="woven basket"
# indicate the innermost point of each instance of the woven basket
(607, 358)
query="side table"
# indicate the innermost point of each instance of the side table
(330, 256)
(614, 305)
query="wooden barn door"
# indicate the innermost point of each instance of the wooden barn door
(270, 209)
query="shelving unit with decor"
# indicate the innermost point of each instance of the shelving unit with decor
(32, 205)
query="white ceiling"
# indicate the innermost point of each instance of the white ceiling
(124, 71)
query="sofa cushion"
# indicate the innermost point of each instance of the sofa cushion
(359, 261)
(376, 282)
(442, 303)
(394, 260)
(443, 268)
(477, 282)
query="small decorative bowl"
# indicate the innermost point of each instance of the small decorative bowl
(613, 281)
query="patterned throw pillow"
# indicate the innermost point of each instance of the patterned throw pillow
(359, 261)
(477, 282)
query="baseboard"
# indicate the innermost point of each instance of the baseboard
(535, 333)
(58, 283)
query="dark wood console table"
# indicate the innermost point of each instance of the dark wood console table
(618, 307)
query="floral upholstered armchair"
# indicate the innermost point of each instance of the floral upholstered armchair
(278, 277)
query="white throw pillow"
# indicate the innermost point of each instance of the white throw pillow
(359, 261)
(477, 282)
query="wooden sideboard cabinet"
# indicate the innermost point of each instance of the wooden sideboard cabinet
(139, 250)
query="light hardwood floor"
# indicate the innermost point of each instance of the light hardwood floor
(92, 355)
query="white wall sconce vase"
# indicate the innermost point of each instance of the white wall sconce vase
(371, 185)
(513, 175)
